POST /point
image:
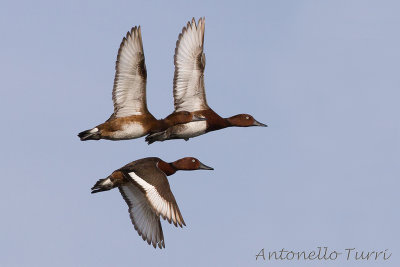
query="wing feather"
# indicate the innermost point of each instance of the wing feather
(145, 220)
(190, 61)
(162, 202)
(129, 92)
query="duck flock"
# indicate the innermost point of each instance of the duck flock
(143, 183)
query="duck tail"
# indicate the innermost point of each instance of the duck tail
(102, 185)
(160, 136)
(92, 134)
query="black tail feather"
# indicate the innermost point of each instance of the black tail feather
(98, 190)
(89, 135)
(101, 186)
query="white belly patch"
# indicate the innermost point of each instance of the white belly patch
(130, 131)
(191, 129)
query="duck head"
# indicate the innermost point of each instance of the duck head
(189, 163)
(244, 120)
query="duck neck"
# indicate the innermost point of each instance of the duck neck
(166, 167)
(228, 122)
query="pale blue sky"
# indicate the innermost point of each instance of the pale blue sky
(324, 75)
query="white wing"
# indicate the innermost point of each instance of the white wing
(144, 219)
(129, 92)
(189, 63)
(162, 200)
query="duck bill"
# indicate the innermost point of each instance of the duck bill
(205, 167)
(257, 123)
(198, 118)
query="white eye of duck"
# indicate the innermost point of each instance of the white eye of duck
(193, 160)
(247, 117)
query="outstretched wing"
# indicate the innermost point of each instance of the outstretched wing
(189, 63)
(154, 184)
(129, 92)
(144, 219)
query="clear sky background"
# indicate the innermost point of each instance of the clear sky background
(324, 75)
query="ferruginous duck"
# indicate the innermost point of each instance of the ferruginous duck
(131, 118)
(189, 92)
(144, 186)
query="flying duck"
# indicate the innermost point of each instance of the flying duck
(131, 118)
(144, 186)
(189, 92)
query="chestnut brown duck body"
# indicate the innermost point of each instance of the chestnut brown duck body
(136, 126)
(189, 91)
(131, 118)
(212, 122)
(145, 188)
